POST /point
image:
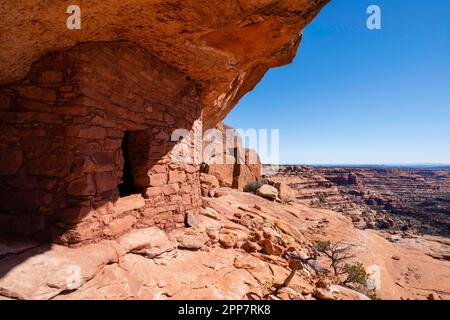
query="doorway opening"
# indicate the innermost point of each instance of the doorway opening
(127, 186)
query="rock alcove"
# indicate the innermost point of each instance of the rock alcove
(87, 115)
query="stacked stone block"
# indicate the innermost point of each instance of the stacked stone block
(62, 129)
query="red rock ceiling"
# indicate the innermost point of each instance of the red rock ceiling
(226, 46)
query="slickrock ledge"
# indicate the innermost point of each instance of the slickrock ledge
(225, 46)
(237, 250)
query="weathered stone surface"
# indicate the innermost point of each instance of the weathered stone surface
(191, 219)
(10, 161)
(208, 223)
(267, 191)
(232, 164)
(75, 214)
(272, 235)
(271, 248)
(209, 180)
(120, 225)
(192, 239)
(285, 193)
(177, 176)
(15, 246)
(81, 232)
(132, 202)
(105, 181)
(251, 246)
(223, 173)
(343, 293)
(227, 240)
(162, 190)
(150, 242)
(45, 271)
(323, 294)
(52, 165)
(145, 263)
(208, 184)
(157, 180)
(83, 186)
(86, 132)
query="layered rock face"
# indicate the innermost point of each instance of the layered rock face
(229, 161)
(312, 188)
(399, 200)
(88, 116)
(421, 197)
(317, 190)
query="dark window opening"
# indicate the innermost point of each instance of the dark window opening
(127, 186)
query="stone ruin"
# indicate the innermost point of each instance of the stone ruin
(87, 116)
(88, 136)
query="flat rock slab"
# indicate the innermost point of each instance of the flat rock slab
(45, 271)
(15, 246)
(192, 275)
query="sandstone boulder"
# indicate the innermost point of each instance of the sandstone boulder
(209, 224)
(191, 239)
(323, 294)
(272, 235)
(267, 191)
(271, 248)
(224, 173)
(343, 293)
(46, 271)
(285, 193)
(259, 269)
(227, 240)
(150, 242)
(250, 246)
(120, 225)
(209, 180)
(208, 183)
(191, 219)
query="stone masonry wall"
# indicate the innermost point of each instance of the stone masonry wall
(62, 128)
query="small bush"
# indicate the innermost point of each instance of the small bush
(322, 246)
(372, 295)
(322, 198)
(253, 186)
(356, 274)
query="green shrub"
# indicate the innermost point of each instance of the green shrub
(356, 274)
(322, 198)
(372, 295)
(322, 246)
(253, 186)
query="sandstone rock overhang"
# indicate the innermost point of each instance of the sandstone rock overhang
(87, 116)
(225, 46)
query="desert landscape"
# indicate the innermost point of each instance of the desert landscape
(398, 199)
(103, 194)
(254, 238)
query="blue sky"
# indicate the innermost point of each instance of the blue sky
(360, 96)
